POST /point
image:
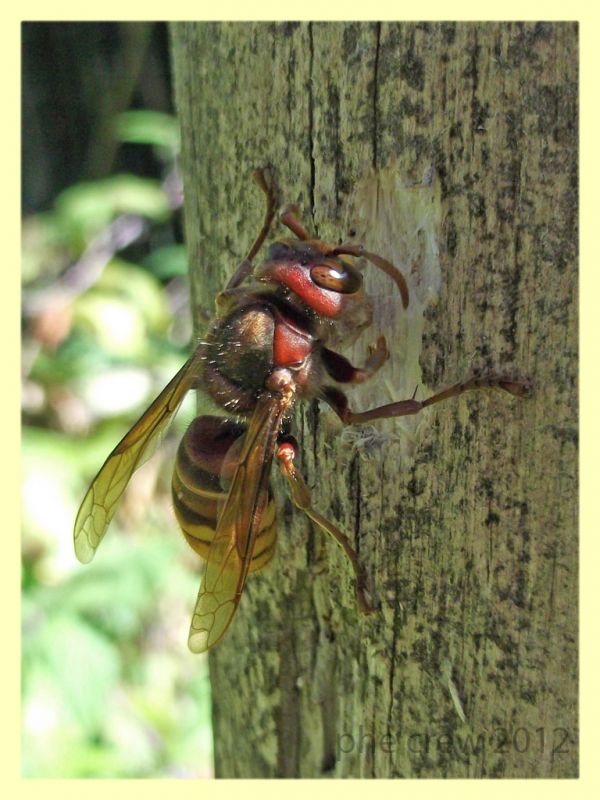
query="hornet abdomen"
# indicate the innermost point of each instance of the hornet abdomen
(205, 463)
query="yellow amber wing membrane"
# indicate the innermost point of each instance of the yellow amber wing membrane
(231, 550)
(101, 499)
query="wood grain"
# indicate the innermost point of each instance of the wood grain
(451, 149)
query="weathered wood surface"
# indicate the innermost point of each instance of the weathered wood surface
(452, 150)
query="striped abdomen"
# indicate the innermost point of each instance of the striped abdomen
(205, 462)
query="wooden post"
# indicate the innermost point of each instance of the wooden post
(451, 149)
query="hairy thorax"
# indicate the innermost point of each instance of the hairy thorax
(244, 347)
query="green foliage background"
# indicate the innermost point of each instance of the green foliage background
(109, 688)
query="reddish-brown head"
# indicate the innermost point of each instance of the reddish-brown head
(314, 272)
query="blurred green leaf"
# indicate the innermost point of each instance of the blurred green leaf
(77, 461)
(117, 325)
(128, 579)
(123, 308)
(117, 391)
(149, 127)
(47, 502)
(40, 445)
(84, 209)
(43, 251)
(168, 262)
(141, 290)
(79, 354)
(88, 759)
(82, 692)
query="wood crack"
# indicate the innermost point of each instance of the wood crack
(376, 93)
(311, 121)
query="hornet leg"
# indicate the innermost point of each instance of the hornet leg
(339, 402)
(342, 371)
(286, 452)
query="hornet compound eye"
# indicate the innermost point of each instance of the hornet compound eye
(336, 277)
